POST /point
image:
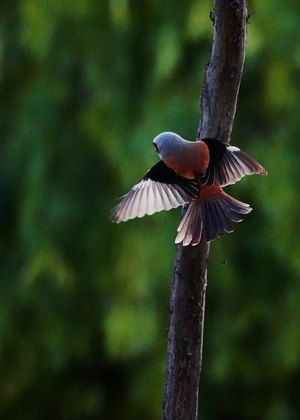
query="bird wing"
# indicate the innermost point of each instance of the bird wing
(228, 164)
(160, 189)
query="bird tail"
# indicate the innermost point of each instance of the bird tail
(209, 216)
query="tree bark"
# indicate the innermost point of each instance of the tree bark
(187, 302)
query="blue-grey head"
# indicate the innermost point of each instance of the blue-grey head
(166, 143)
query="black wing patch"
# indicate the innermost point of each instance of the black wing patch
(162, 173)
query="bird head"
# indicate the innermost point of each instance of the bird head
(166, 143)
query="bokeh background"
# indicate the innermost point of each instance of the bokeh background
(85, 86)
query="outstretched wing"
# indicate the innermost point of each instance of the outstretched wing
(228, 164)
(160, 189)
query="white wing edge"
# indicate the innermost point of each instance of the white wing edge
(148, 197)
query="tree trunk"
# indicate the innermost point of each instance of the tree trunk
(187, 301)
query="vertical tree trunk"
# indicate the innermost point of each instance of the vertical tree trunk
(187, 301)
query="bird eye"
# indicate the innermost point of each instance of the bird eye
(155, 148)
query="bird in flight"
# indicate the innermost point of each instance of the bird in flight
(191, 173)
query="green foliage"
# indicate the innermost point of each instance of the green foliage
(85, 87)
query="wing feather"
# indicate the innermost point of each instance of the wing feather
(228, 164)
(160, 189)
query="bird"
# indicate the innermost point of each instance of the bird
(191, 173)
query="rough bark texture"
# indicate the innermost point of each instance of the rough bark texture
(187, 302)
(224, 70)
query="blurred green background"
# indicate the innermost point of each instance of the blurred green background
(85, 86)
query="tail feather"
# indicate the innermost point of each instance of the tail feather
(235, 205)
(210, 223)
(209, 216)
(190, 227)
(220, 217)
